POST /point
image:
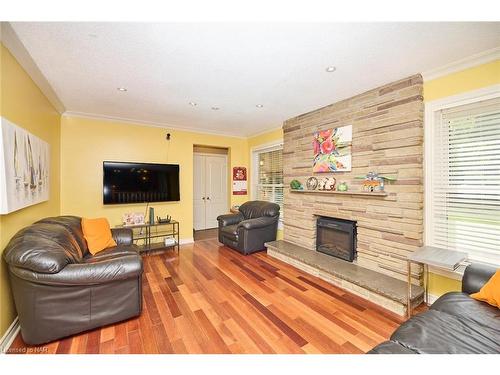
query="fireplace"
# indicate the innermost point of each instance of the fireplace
(336, 237)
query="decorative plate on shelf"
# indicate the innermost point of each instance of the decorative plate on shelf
(312, 183)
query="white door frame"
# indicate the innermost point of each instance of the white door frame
(226, 159)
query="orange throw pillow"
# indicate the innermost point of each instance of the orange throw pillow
(98, 234)
(490, 292)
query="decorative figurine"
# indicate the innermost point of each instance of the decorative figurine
(327, 183)
(342, 186)
(330, 184)
(373, 183)
(321, 184)
(296, 185)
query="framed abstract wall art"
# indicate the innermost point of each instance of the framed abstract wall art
(24, 168)
(332, 150)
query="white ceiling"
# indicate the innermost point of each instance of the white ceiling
(234, 66)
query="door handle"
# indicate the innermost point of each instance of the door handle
(203, 198)
(208, 198)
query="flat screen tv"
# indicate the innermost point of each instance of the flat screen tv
(139, 182)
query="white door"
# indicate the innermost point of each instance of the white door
(199, 191)
(216, 189)
(210, 189)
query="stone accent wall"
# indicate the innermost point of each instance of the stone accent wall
(387, 138)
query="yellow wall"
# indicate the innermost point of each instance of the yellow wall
(86, 143)
(265, 138)
(466, 80)
(23, 103)
(439, 284)
(456, 83)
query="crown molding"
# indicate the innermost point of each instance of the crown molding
(154, 124)
(468, 62)
(12, 42)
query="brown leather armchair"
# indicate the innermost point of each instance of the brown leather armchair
(61, 289)
(247, 231)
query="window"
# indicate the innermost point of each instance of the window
(268, 175)
(463, 180)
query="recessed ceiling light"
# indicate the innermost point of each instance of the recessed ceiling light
(259, 105)
(122, 89)
(331, 69)
(193, 104)
(215, 108)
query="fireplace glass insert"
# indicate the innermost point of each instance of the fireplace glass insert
(336, 237)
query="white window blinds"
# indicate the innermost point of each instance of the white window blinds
(465, 193)
(269, 166)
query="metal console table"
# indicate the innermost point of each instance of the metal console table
(436, 257)
(147, 232)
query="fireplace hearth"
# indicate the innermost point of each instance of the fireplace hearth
(336, 237)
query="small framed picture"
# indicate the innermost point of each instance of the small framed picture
(133, 218)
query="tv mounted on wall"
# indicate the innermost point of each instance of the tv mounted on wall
(125, 182)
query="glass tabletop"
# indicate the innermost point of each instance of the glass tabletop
(143, 225)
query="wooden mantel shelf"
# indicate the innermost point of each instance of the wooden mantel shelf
(363, 193)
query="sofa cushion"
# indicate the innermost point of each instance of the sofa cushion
(74, 225)
(435, 332)
(390, 347)
(42, 247)
(490, 292)
(231, 232)
(111, 252)
(254, 209)
(97, 233)
(461, 305)
(82, 274)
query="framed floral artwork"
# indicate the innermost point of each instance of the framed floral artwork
(332, 150)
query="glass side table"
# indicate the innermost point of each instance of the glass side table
(448, 260)
(147, 232)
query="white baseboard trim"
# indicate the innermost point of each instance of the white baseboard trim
(9, 336)
(432, 299)
(184, 241)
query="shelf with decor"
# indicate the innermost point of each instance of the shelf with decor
(147, 232)
(363, 193)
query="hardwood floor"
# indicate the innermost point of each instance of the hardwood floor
(211, 299)
(205, 234)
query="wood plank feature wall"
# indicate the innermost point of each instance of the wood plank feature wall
(387, 138)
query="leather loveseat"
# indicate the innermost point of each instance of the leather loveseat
(255, 224)
(60, 289)
(455, 323)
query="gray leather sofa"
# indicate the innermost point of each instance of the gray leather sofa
(61, 289)
(247, 231)
(455, 323)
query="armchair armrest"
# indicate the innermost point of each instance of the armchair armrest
(123, 236)
(229, 219)
(120, 268)
(475, 276)
(259, 222)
